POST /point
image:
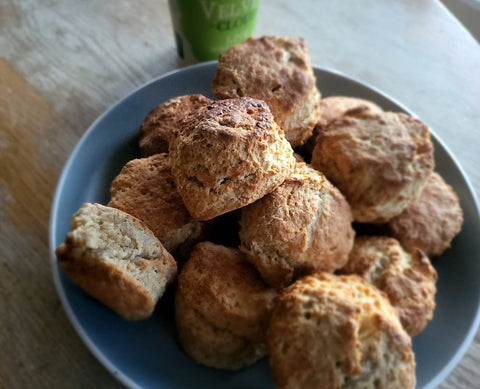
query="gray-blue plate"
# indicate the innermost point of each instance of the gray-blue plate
(146, 354)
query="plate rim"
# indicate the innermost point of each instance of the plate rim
(99, 355)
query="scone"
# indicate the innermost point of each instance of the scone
(222, 308)
(332, 108)
(407, 278)
(380, 162)
(432, 221)
(164, 120)
(228, 156)
(277, 70)
(145, 189)
(338, 332)
(301, 227)
(116, 259)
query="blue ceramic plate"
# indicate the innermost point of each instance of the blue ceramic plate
(146, 354)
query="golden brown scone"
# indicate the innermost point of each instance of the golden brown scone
(228, 156)
(407, 278)
(277, 70)
(213, 346)
(116, 259)
(222, 308)
(164, 120)
(332, 108)
(379, 162)
(432, 221)
(302, 226)
(145, 189)
(338, 332)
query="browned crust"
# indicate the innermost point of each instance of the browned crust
(277, 70)
(219, 283)
(379, 162)
(408, 278)
(103, 278)
(145, 189)
(432, 221)
(302, 226)
(210, 345)
(222, 308)
(106, 283)
(333, 107)
(334, 332)
(228, 156)
(162, 121)
(412, 293)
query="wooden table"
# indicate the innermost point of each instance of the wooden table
(64, 62)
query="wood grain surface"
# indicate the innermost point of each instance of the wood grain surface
(63, 62)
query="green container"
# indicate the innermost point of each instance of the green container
(204, 29)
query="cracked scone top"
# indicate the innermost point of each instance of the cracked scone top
(163, 121)
(145, 189)
(330, 331)
(380, 162)
(334, 107)
(229, 155)
(407, 277)
(430, 222)
(222, 308)
(277, 70)
(302, 226)
(116, 259)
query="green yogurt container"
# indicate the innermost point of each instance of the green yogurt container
(204, 29)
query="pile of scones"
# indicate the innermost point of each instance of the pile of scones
(323, 266)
